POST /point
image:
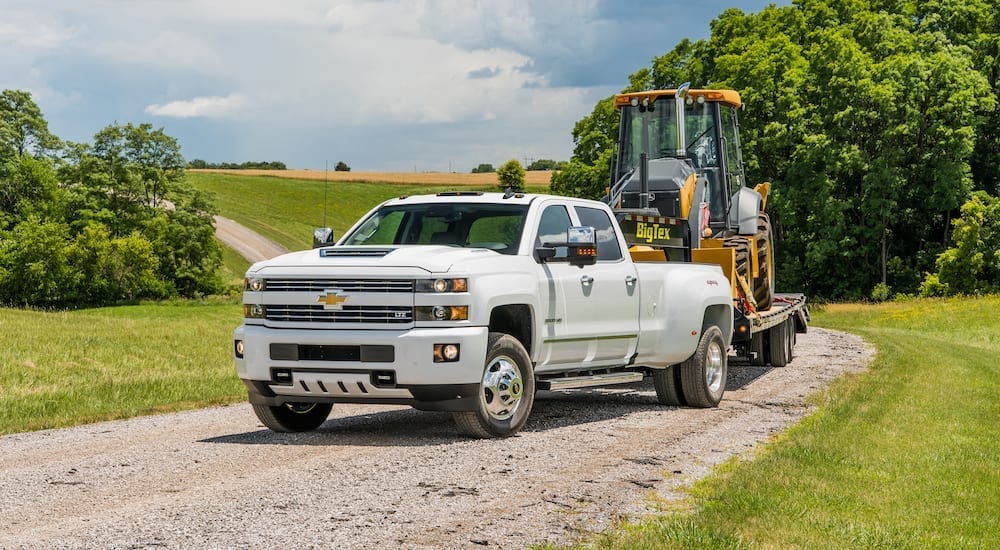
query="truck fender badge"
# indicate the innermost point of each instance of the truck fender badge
(712, 282)
(331, 300)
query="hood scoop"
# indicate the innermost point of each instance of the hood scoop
(349, 252)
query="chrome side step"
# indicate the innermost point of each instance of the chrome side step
(588, 381)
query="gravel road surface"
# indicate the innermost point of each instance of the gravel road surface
(392, 477)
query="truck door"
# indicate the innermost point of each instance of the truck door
(608, 316)
(561, 298)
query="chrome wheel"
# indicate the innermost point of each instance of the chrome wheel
(715, 370)
(502, 388)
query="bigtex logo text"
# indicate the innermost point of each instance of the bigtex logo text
(651, 232)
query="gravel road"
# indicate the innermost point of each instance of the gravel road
(393, 477)
(247, 243)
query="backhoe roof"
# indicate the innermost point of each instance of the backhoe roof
(727, 97)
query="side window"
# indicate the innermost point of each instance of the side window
(552, 227)
(607, 241)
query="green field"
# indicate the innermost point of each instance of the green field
(903, 456)
(287, 210)
(74, 367)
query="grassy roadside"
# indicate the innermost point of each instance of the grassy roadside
(903, 456)
(67, 368)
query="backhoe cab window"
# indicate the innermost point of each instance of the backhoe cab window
(655, 133)
(492, 226)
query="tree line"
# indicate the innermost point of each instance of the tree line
(98, 223)
(878, 125)
(199, 164)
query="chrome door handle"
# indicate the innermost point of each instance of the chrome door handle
(630, 280)
(586, 280)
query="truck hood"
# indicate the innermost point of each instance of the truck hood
(430, 258)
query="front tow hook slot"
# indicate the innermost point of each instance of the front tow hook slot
(282, 376)
(383, 378)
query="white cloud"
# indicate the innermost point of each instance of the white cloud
(210, 107)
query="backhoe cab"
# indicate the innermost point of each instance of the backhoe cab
(680, 191)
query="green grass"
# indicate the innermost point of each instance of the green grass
(74, 367)
(903, 456)
(287, 210)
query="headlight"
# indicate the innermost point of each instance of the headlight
(442, 313)
(253, 311)
(255, 285)
(443, 285)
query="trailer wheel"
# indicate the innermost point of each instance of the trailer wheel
(790, 332)
(757, 350)
(703, 375)
(293, 417)
(763, 284)
(506, 391)
(668, 386)
(777, 337)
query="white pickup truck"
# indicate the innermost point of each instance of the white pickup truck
(470, 302)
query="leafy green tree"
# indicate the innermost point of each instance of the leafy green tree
(342, 167)
(511, 176)
(866, 118)
(23, 129)
(484, 169)
(972, 264)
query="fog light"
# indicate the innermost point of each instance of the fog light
(239, 349)
(446, 353)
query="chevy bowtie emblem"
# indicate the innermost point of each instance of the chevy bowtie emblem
(331, 300)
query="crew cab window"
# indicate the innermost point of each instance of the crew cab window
(552, 228)
(608, 247)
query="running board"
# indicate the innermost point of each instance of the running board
(572, 382)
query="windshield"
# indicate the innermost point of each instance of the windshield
(494, 226)
(654, 132)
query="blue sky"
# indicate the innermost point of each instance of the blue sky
(425, 85)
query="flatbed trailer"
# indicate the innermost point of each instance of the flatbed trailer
(760, 337)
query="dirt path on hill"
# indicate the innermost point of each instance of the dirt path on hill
(249, 244)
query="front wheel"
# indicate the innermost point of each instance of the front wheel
(703, 375)
(506, 391)
(293, 417)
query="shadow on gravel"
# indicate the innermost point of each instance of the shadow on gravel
(410, 427)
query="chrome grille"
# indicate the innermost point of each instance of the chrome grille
(346, 285)
(386, 315)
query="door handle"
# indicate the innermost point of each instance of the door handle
(587, 280)
(630, 280)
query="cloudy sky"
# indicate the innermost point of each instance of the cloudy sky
(426, 85)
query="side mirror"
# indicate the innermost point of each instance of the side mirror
(323, 236)
(580, 245)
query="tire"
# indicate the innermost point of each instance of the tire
(703, 375)
(668, 386)
(777, 337)
(742, 266)
(293, 417)
(506, 391)
(790, 331)
(763, 284)
(758, 350)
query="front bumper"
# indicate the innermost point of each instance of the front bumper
(408, 375)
